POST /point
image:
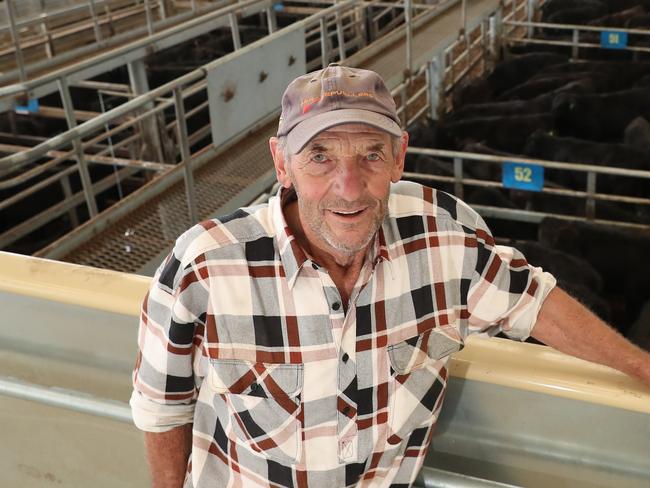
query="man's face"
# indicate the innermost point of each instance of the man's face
(342, 178)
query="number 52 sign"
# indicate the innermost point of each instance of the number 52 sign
(523, 176)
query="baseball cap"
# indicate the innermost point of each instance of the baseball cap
(333, 96)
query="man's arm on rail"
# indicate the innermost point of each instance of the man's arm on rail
(167, 454)
(568, 326)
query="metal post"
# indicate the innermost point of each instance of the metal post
(234, 28)
(149, 127)
(271, 20)
(324, 41)
(531, 7)
(339, 36)
(436, 70)
(67, 193)
(11, 13)
(84, 174)
(590, 204)
(463, 18)
(147, 12)
(185, 154)
(409, 37)
(574, 44)
(194, 6)
(93, 14)
(163, 11)
(494, 34)
(403, 102)
(458, 178)
(49, 46)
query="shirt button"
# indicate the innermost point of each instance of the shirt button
(346, 410)
(336, 305)
(314, 265)
(345, 357)
(254, 387)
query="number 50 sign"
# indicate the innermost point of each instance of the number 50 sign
(523, 176)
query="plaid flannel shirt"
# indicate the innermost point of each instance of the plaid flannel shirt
(245, 336)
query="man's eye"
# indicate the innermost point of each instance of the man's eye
(319, 158)
(373, 157)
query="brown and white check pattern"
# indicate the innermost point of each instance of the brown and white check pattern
(245, 335)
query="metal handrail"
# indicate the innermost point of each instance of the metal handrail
(68, 399)
(29, 85)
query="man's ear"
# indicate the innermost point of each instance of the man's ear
(398, 168)
(281, 172)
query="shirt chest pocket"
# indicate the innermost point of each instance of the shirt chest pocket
(261, 404)
(418, 379)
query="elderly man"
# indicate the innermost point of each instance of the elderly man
(305, 342)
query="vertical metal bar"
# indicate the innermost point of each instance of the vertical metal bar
(324, 49)
(436, 84)
(463, 18)
(185, 154)
(49, 47)
(340, 37)
(234, 28)
(93, 14)
(271, 20)
(574, 44)
(590, 204)
(11, 13)
(531, 7)
(458, 178)
(84, 175)
(148, 15)
(403, 102)
(163, 10)
(409, 37)
(149, 127)
(67, 193)
(194, 6)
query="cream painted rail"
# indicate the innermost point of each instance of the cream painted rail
(497, 361)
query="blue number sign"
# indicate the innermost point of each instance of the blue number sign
(613, 39)
(30, 108)
(523, 176)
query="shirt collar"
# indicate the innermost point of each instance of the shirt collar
(293, 257)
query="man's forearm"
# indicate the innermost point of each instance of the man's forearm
(568, 326)
(167, 454)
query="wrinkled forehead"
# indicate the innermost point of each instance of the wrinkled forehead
(350, 134)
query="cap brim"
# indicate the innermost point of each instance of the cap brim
(302, 133)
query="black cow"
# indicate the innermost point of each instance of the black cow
(552, 6)
(618, 19)
(620, 256)
(505, 75)
(637, 135)
(599, 116)
(502, 133)
(639, 331)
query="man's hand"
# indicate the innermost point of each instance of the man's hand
(167, 453)
(568, 326)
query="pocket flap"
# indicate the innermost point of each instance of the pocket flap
(256, 379)
(434, 344)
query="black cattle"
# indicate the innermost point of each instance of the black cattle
(618, 19)
(545, 146)
(619, 256)
(541, 84)
(638, 22)
(639, 331)
(637, 135)
(568, 149)
(606, 75)
(577, 15)
(552, 6)
(502, 133)
(574, 275)
(505, 75)
(599, 116)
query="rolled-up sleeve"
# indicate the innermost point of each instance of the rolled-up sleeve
(170, 337)
(506, 292)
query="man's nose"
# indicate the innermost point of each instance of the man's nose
(350, 181)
